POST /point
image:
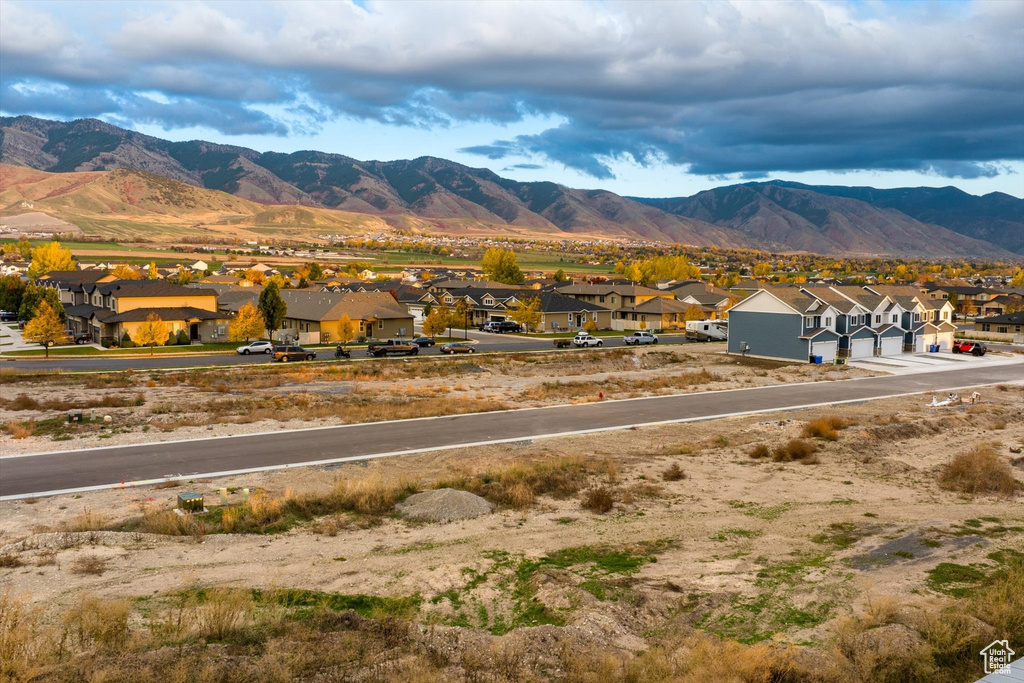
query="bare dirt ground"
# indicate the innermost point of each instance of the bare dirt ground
(146, 407)
(752, 550)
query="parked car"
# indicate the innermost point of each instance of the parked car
(457, 347)
(291, 352)
(8, 316)
(585, 339)
(391, 347)
(82, 337)
(500, 326)
(563, 342)
(640, 337)
(972, 347)
(256, 347)
(422, 341)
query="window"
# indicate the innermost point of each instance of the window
(601, 299)
(985, 327)
(808, 322)
(380, 324)
(895, 317)
(569, 317)
(878, 319)
(1003, 330)
(828, 322)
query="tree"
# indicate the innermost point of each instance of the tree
(590, 326)
(24, 249)
(248, 324)
(436, 323)
(346, 329)
(560, 276)
(33, 295)
(256, 277)
(527, 313)
(153, 332)
(152, 273)
(273, 307)
(12, 289)
(762, 269)
(461, 315)
(126, 272)
(1018, 278)
(49, 257)
(182, 277)
(280, 280)
(315, 271)
(500, 265)
(693, 312)
(45, 327)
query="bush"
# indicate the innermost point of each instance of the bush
(126, 342)
(673, 473)
(979, 471)
(89, 564)
(794, 449)
(183, 339)
(171, 340)
(760, 451)
(599, 500)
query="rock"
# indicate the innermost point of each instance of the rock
(444, 505)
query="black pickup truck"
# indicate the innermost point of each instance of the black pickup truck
(391, 347)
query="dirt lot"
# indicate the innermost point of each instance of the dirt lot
(147, 407)
(603, 561)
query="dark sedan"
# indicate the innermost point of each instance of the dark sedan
(422, 341)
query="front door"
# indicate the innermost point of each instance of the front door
(193, 331)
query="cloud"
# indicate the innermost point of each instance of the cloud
(717, 88)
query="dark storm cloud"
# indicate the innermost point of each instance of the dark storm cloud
(719, 88)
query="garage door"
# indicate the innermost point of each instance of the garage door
(862, 348)
(827, 351)
(892, 346)
(924, 342)
(944, 340)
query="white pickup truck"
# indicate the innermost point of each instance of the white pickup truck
(640, 337)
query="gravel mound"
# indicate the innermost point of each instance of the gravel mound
(444, 505)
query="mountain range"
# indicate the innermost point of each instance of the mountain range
(436, 195)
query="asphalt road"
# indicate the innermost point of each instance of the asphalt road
(485, 343)
(53, 472)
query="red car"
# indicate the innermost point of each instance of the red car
(972, 347)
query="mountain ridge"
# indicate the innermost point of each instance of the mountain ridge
(444, 195)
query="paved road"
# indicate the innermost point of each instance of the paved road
(40, 474)
(486, 343)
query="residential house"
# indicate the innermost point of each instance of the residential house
(784, 322)
(558, 312)
(927, 322)
(108, 309)
(658, 313)
(1002, 304)
(312, 317)
(1009, 326)
(970, 299)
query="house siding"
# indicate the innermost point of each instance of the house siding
(773, 335)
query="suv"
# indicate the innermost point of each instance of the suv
(586, 339)
(8, 316)
(499, 326)
(256, 347)
(287, 353)
(640, 337)
(971, 347)
(391, 347)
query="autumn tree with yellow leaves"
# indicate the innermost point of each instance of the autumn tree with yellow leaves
(45, 327)
(153, 332)
(248, 324)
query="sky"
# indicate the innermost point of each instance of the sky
(652, 99)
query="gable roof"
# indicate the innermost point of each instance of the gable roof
(1005, 319)
(318, 306)
(148, 288)
(606, 289)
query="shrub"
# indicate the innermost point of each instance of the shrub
(760, 451)
(599, 500)
(10, 561)
(172, 339)
(93, 621)
(183, 338)
(673, 473)
(126, 342)
(979, 471)
(89, 564)
(820, 429)
(794, 449)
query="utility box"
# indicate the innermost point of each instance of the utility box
(74, 416)
(190, 502)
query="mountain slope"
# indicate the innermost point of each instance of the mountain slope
(784, 216)
(995, 217)
(443, 196)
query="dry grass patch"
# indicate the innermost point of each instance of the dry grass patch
(979, 471)
(760, 451)
(795, 449)
(89, 564)
(673, 473)
(20, 430)
(517, 486)
(598, 500)
(825, 428)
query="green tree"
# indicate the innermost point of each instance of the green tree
(12, 289)
(560, 276)
(50, 257)
(315, 271)
(273, 307)
(501, 265)
(527, 313)
(33, 295)
(45, 327)
(153, 332)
